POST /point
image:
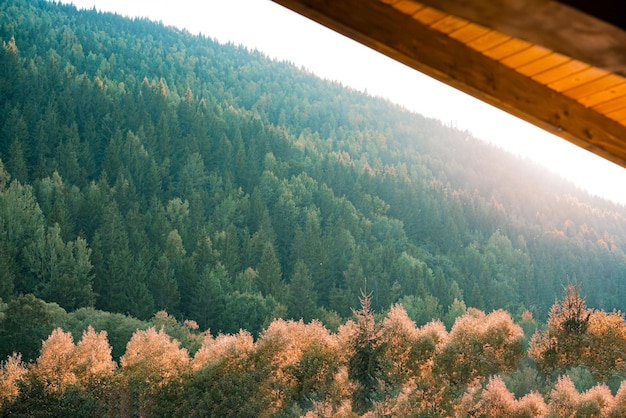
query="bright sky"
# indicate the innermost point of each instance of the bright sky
(284, 35)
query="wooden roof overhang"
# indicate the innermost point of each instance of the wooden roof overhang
(552, 64)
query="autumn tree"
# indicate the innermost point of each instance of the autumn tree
(12, 370)
(55, 366)
(566, 401)
(93, 362)
(496, 401)
(62, 363)
(221, 347)
(479, 346)
(407, 360)
(399, 333)
(301, 360)
(152, 359)
(605, 353)
(225, 381)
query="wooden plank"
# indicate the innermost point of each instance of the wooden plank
(594, 86)
(428, 16)
(468, 33)
(510, 47)
(618, 115)
(449, 24)
(604, 95)
(544, 64)
(578, 79)
(402, 38)
(560, 72)
(611, 106)
(488, 41)
(407, 7)
(526, 56)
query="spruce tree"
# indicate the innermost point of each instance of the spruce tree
(365, 363)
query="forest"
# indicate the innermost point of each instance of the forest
(186, 224)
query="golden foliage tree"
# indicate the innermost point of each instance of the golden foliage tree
(577, 336)
(407, 360)
(222, 348)
(302, 361)
(92, 358)
(153, 357)
(605, 352)
(56, 364)
(11, 372)
(480, 345)
(62, 363)
(497, 401)
(565, 401)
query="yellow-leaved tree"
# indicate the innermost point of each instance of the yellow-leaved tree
(479, 346)
(565, 401)
(152, 359)
(497, 401)
(92, 358)
(56, 364)
(302, 361)
(407, 360)
(578, 336)
(62, 363)
(11, 372)
(224, 347)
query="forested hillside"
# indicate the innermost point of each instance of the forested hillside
(145, 170)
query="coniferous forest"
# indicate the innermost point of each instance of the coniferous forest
(193, 229)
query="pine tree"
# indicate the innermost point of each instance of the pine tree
(365, 362)
(64, 270)
(301, 296)
(270, 276)
(120, 281)
(16, 163)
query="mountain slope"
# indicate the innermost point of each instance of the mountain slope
(157, 170)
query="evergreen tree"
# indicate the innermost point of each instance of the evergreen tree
(270, 280)
(301, 297)
(16, 162)
(207, 304)
(365, 362)
(119, 279)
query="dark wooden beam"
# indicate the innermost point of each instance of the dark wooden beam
(404, 39)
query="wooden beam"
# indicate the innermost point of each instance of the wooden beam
(399, 36)
(548, 23)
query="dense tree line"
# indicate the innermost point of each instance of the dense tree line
(370, 366)
(145, 169)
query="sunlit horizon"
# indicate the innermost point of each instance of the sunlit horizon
(286, 36)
